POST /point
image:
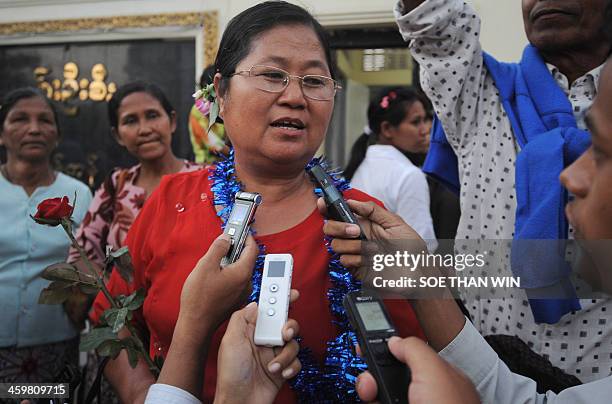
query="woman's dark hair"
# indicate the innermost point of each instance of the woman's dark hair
(358, 152)
(391, 105)
(13, 97)
(136, 87)
(244, 28)
(207, 76)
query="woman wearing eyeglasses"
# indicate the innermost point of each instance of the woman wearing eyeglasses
(275, 90)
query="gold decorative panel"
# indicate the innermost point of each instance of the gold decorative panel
(207, 20)
(95, 89)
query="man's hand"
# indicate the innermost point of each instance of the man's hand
(250, 373)
(433, 379)
(378, 225)
(210, 294)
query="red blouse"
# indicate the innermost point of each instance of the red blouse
(176, 227)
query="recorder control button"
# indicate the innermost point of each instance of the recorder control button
(231, 231)
(271, 312)
(382, 354)
(274, 287)
(272, 300)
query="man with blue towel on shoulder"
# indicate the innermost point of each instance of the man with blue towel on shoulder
(504, 133)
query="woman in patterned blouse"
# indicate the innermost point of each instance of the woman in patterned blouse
(143, 121)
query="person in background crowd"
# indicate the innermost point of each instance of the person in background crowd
(417, 157)
(379, 167)
(36, 341)
(491, 132)
(275, 87)
(143, 121)
(208, 145)
(443, 203)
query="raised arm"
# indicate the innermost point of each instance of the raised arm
(444, 39)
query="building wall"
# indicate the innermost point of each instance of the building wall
(503, 33)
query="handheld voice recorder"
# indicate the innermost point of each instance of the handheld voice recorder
(273, 299)
(238, 224)
(337, 208)
(373, 326)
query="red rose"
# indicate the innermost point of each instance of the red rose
(51, 211)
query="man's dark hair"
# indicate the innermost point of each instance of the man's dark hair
(608, 22)
(244, 28)
(131, 88)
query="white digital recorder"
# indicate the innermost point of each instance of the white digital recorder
(274, 299)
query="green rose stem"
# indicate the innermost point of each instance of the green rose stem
(67, 226)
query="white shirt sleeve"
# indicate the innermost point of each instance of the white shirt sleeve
(496, 384)
(444, 39)
(167, 394)
(412, 204)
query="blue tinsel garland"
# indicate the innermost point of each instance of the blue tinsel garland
(336, 381)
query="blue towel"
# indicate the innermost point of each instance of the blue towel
(544, 125)
(441, 162)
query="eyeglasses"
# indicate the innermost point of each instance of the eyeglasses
(275, 80)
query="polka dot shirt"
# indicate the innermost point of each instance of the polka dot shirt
(444, 39)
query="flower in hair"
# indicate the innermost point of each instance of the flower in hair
(384, 103)
(206, 102)
(203, 106)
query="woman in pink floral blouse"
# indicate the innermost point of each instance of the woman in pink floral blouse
(143, 121)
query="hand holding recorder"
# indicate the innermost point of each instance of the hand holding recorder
(250, 373)
(209, 296)
(376, 223)
(336, 207)
(210, 293)
(374, 328)
(433, 379)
